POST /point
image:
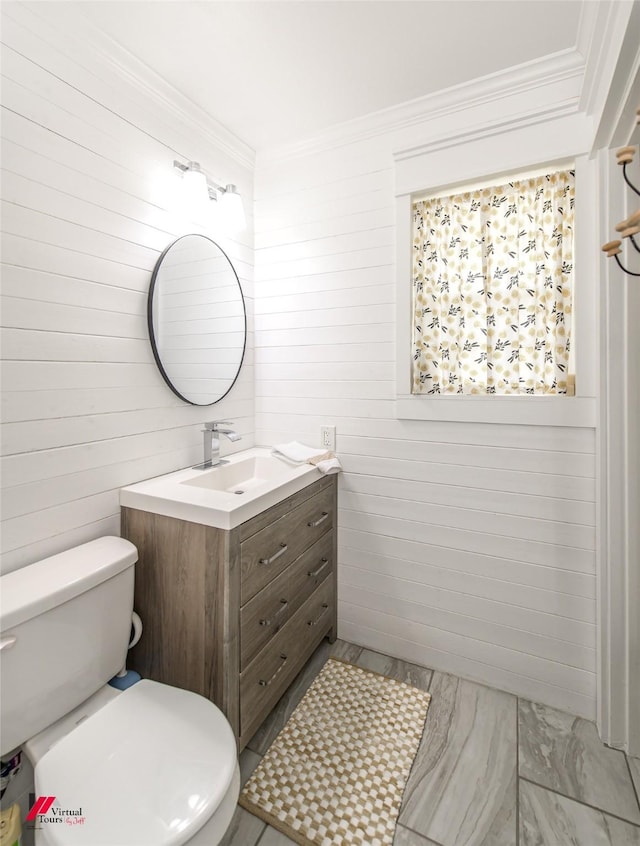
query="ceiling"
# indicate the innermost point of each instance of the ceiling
(277, 72)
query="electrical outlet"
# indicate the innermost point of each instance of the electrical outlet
(328, 437)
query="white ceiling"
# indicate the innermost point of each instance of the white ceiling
(277, 72)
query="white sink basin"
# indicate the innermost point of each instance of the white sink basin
(225, 496)
(243, 476)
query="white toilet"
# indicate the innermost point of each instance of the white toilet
(152, 765)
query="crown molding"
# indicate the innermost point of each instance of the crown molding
(173, 102)
(618, 118)
(620, 80)
(490, 128)
(590, 15)
(566, 65)
(600, 37)
(139, 76)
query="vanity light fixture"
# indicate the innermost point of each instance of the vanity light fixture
(196, 191)
(232, 209)
(200, 188)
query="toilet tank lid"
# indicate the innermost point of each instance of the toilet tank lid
(41, 586)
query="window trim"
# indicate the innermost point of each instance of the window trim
(578, 410)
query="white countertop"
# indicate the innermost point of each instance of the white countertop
(208, 496)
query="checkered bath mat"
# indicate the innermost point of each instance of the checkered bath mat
(336, 773)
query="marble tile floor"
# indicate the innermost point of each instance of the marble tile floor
(491, 770)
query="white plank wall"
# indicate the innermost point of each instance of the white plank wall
(464, 547)
(468, 548)
(88, 205)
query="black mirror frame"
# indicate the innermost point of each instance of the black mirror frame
(152, 340)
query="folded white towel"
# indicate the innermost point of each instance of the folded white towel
(296, 453)
(329, 465)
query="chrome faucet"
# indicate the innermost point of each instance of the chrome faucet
(211, 432)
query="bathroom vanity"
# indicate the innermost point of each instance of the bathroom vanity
(233, 611)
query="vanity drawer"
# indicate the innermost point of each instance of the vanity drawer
(272, 671)
(268, 676)
(310, 570)
(272, 549)
(268, 611)
(263, 617)
(316, 612)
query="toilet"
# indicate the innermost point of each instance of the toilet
(151, 765)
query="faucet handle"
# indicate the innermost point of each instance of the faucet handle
(213, 425)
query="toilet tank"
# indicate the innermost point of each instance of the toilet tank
(65, 624)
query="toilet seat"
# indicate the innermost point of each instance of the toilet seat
(148, 769)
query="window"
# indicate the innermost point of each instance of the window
(493, 289)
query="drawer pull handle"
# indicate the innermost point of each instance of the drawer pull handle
(313, 573)
(264, 683)
(320, 615)
(284, 603)
(313, 523)
(7, 642)
(281, 551)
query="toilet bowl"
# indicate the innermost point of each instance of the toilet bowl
(152, 765)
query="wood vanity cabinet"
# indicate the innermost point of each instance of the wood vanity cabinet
(234, 614)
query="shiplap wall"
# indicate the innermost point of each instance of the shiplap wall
(465, 547)
(89, 203)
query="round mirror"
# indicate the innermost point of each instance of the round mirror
(197, 320)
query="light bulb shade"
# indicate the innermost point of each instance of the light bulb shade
(196, 193)
(232, 214)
